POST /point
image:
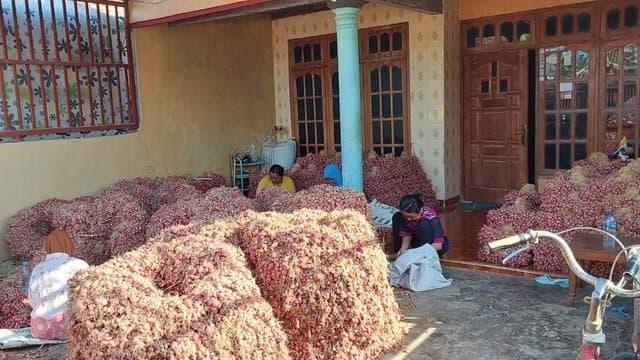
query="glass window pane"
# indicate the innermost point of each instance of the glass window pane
(550, 127)
(613, 62)
(506, 32)
(398, 134)
(631, 16)
(303, 151)
(567, 24)
(581, 126)
(388, 150)
(300, 86)
(611, 95)
(336, 133)
(397, 41)
(316, 52)
(333, 50)
(384, 43)
(484, 86)
(550, 156)
(320, 132)
(629, 125)
(397, 105)
(613, 19)
(302, 133)
(310, 112)
(489, 34)
(386, 78)
(566, 59)
(550, 97)
(386, 105)
(612, 126)
(551, 26)
(375, 80)
(397, 151)
(580, 151)
(565, 127)
(297, 54)
(386, 132)
(630, 92)
(494, 68)
(630, 59)
(301, 110)
(582, 64)
(523, 31)
(319, 114)
(504, 85)
(308, 85)
(582, 95)
(311, 133)
(307, 53)
(373, 44)
(565, 156)
(335, 84)
(375, 106)
(336, 108)
(375, 127)
(584, 22)
(397, 78)
(473, 37)
(551, 66)
(318, 85)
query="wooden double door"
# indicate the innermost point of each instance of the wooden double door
(495, 127)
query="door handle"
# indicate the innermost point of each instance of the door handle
(523, 134)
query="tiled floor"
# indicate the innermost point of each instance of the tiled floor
(462, 227)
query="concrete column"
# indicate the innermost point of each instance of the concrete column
(346, 16)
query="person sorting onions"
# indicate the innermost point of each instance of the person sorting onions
(419, 241)
(332, 175)
(276, 177)
(48, 288)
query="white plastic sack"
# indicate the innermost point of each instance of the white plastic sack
(17, 338)
(382, 214)
(418, 270)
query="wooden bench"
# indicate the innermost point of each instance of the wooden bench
(589, 247)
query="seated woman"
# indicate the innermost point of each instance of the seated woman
(419, 241)
(48, 289)
(332, 175)
(416, 225)
(276, 177)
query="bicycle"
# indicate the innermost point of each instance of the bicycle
(593, 337)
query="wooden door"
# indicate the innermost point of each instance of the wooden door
(495, 124)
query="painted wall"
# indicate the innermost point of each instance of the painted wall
(471, 9)
(200, 92)
(426, 62)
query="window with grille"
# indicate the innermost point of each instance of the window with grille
(315, 91)
(620, 101)
(567, 106)
(66, 68)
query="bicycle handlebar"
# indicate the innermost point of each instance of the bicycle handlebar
(532, 237)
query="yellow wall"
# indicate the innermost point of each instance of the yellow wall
(426, 63)
(201, 92)
(471, 9)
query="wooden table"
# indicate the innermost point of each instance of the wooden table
(588, 247)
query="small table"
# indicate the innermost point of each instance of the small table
(589, 247)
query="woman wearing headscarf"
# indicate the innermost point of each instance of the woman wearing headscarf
(48, 288)
(332, 175)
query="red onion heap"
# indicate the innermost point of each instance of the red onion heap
(322, 197)
(14, 313)
(325, 277)
(28, 228)
(189, 298)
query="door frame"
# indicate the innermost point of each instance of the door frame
(466, 128)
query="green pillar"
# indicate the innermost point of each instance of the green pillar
(346, 15)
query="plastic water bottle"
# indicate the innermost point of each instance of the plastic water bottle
(253, 153)
(610, 226)
(25, 273)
